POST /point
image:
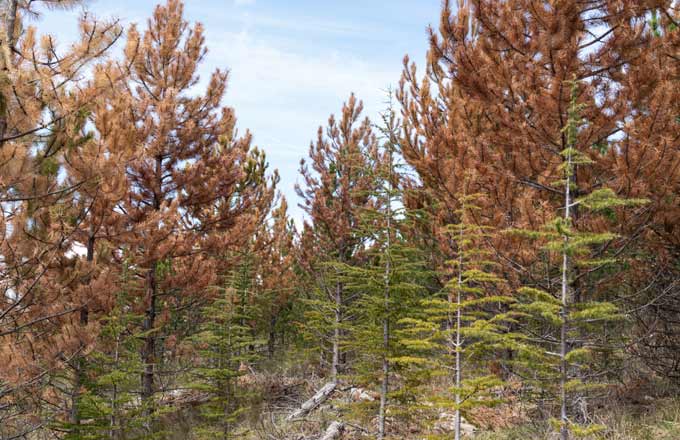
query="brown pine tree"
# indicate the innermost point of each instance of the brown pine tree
(335, 190)
(496, 100)
(44, 100)
(276, 271)
(194, 187)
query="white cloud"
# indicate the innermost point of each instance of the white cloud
(270, 76)
(244, 2)
(282, 95)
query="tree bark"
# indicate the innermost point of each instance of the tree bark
(384, 387)
(564, 349)
(149, 347)
(8, 15)
(458, 343)
(148, 350)
(335, 362)
(271, 340)
(316, 400)
(334, 431)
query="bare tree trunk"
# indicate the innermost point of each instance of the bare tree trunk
(113, 432)
(458, 344)
(334, 431)
(8, 16)
(149, 347)
(317, 399)
(564, 429)
(335, 362)
(271, 340)
(384, 388)
(148, 351)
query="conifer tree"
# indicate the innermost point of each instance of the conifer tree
(337, 188)
(495, 99)
(111, 374)
(574, 332)
(489, 103)
(646, 166)
(191, 182)
(96, 171)
(463, 326)
(224, 345)
(387, 279)
(275, 268)
(44, 100)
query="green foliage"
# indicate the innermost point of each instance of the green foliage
(109, 406)
(224, 348)
(405, 284)
(566, 334)
(464, 325)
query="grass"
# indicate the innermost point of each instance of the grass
(660, 420)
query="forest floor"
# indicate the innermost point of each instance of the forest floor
(657, 420)
(636, 410)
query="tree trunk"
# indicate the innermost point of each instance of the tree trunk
(113, 432)
(79, 361)
(564, 348)
(316, 400)
(334, 431)
(335, 362)
(8, 16)
(271, 341)
(149, 347)
(384, 387)
(148, 350)
(458, 341)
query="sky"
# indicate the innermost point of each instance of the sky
(292, 62)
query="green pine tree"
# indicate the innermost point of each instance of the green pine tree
(225, 346)
(109, 406)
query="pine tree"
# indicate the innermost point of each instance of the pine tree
(489, 103)
(275, 269)
(191, 184)
(335, 191)
(224, 346)
(646, 166)
(43, 105)
(495, 100)
(107, 408)
(96, 171)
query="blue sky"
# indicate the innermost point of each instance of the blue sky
(292, 62)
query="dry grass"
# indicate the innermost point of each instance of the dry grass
(659, 420)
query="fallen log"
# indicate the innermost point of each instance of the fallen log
(316, 400)
(334, 431)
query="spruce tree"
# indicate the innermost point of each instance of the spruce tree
(388, 280)
(465, 324)
(573, 330)
(225, 347)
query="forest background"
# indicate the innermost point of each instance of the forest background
(493, 253)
